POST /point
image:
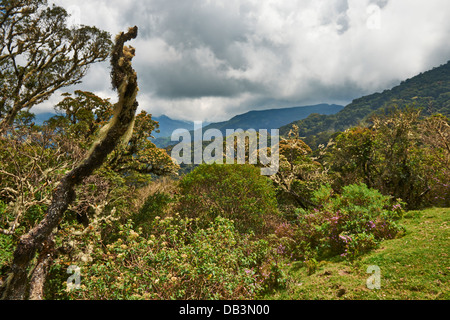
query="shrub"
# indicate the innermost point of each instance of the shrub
(346, 224)
(299, 174)
(154, 206)
(235, 192)
(176, 261)
(401, 154)
(6, 242)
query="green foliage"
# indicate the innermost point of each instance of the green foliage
(235, 192)
(352, 154)
(33, 215)
(299, 174)
(154, 206)
(346, 224)
(400, 154)
(6, 242)
(428, 91)
(33, 159)
(177, 261)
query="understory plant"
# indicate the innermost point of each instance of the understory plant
(347, 224)
(176, 261)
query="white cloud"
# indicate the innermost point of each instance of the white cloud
(210, 60)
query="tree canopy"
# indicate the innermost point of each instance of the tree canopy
(428, 91)
(40, 53)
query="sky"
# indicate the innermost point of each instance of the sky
(207, 60)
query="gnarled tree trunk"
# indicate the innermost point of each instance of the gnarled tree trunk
(19, 285)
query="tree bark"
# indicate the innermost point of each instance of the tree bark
(124, 79)
(40, 271)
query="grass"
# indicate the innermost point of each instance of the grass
(415, 266)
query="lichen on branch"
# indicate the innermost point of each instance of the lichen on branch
(124, 80)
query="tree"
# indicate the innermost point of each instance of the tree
(401, 154)
(40, 54)
(80, 117)
(353, 157)
(299, 175)
(24, 283)
(140, 158)
(435, 136)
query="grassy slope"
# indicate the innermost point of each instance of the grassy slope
(415, 266)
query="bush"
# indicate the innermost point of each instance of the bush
(235, 192)
(346, 224)
(401, 154)
(6, 242)
(174, 262)
(154, 206)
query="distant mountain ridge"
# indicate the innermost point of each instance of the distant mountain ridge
(272, 118)
(429, 90)
(40, 118)
(257, 119)
(168, 125)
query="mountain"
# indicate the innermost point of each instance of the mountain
(39, 118)
(272, 118)
(429, 90)
(168, 125)
(261, 119)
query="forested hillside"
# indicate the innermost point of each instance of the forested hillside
(256, 119)
(429, 91)
(272, 118)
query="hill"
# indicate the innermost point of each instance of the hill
(412, 267)
(273, 118)
(429, 90)
(261, 119)
(39, 118)
(168, 125)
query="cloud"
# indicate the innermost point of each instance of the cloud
(210, 60)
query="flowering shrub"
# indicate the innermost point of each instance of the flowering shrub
(177, 261)
(346, 224)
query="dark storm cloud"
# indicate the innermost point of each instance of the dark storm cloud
(197, 32)
(211, 59)
(190, 24)
(188, 79)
